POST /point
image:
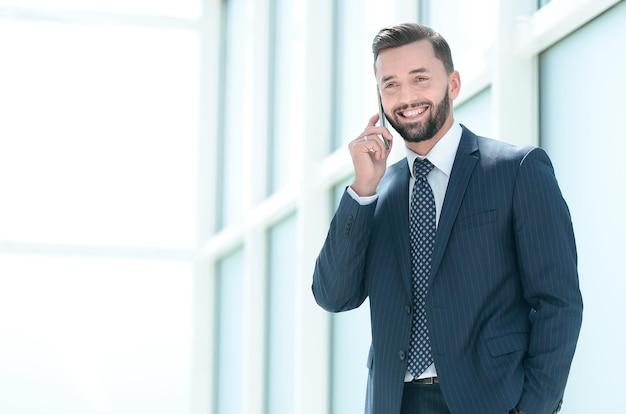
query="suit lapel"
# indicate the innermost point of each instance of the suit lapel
(464, 163)
(398, 216)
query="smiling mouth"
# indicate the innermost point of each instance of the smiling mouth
(413, 113)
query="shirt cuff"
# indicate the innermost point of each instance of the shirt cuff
(364, 201)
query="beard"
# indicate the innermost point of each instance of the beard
(427, 128)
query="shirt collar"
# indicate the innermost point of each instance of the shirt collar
(443, 153)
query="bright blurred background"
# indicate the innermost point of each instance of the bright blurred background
(168, 171)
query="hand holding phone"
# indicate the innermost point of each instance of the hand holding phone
(382, 119)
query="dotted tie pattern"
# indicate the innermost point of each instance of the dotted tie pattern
(422, 229)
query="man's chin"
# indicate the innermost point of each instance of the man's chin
(415, 139)
(414, 135)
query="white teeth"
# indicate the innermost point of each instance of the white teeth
(413, 113)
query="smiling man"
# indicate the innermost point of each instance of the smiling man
(465, 249)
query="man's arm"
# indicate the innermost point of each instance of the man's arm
(549, 276)
(338, 279)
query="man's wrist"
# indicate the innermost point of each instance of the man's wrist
(362, 200)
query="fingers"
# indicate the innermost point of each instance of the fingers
(376, 136)
(365, 143)
(369, 156)
(370, 144)
(372, 141)
(373, 120)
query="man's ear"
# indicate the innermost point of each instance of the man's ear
(454, 84)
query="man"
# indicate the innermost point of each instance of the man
(465, 249)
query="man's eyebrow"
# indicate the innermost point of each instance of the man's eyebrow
(412, 72)
(419, 70)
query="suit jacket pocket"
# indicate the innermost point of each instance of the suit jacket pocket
(506, 344)
(478, 219)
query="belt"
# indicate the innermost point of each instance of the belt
(426, 381)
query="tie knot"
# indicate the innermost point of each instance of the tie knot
(421, 167)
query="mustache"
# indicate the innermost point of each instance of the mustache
(404, 107)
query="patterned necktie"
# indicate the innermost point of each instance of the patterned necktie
(422, 226)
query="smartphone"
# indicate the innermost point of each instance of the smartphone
(382, 119)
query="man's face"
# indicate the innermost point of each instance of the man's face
(416, 91)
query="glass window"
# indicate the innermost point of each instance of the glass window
(468, 27)
(338, 191)
(178, 8)
(581, 127)
(286, 89)
(236, 94)
(281, 330)
(475, 113)
(350, 341)
(543, 3)
(98, 134)
(229, 327)
(98, 169)
(90, 335)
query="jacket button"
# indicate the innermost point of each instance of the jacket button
(402, 355)
(407, 309)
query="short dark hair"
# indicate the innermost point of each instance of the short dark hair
(405, 33)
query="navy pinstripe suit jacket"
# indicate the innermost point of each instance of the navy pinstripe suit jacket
(504, 307)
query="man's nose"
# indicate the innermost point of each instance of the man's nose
(406, 95)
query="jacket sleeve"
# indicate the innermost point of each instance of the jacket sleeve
(549, 277)
(338, 278)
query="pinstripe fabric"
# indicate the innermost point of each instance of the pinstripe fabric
(504, 308)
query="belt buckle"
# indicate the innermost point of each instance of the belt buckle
(427, 381)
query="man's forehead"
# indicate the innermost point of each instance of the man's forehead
(406, 59)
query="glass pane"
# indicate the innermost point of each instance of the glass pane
(338, 191)
(237, 95)
(543, 3)
(178, 8)
(229, 339)
(351, 338)
(474, 113)
(350, 341)
(81, 335)
(583, 131)
(281, 291)
(469, 27)
(98, 134)
(288, 84)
